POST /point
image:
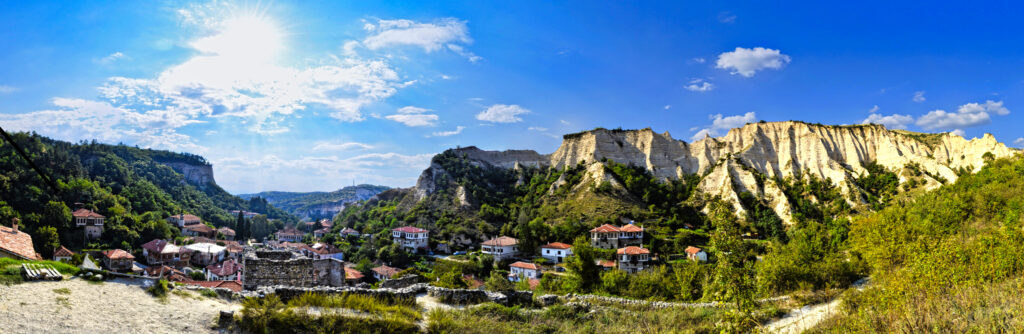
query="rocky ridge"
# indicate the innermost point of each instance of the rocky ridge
(729, 164)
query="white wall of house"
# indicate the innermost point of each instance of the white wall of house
(516, 273)
(500, 252)
(555, 255)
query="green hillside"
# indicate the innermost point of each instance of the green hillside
(132, 187)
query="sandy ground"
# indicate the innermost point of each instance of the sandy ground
(804, 318)
(110, 307)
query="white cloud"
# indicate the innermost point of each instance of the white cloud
(449, 33)
(458, 130)
(335, 146)
(967, 115)
(989, 106)
(747, 62)
(726, 17)
(959, 132)
(720, 124)
(4, 89)
(1019, 142)
(502, 113)
(668, 106)
(537, 128)
(891, 122)
(247, 173)
(699, 60)
(918, 96)
(873, 109)
(111, 58)
(414, 116)
(699, 85)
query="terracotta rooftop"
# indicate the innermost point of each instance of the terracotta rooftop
(226, 231)
(155, 271)
(410, 229)
(18, 243)
(290, 231)
(606, 263)
(63, 251)
(353, 274)
(229, 267)
(116, 254)
(200, 228)
(501, 242)
(230, 285)
(606, 228)
(348, 230)
(692, 250)
(324, 249)
(158, 246)
(386, 271)
(186, 217)
(633, 250)
(85, 213)
(525, 265)
(557, 245)
(631, 228)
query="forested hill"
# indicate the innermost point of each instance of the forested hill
(136, 189)
(316, 205)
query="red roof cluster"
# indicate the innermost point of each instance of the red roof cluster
(200, 228)
(352, 274)
(501, 241)
(606, 263)
(85, 213)
(18, 243)
(385, 271)
(633, 250)
(116, 254)
(226, 268)
(557, 245)
(631, 228)
(410, 229)
(63, 252)
(609, 228)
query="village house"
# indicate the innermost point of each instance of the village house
(204, 254)
(161, 252)
(235, 251)
(199, 230)
(321, 232)
(696, 254)
(410, 238)
(92, 222)
(632, 259)
(326, 251)
(245, 214)
(289, 234)
(501, 247)
(520, 270)
(161, 271)
(609, 236)
(183, 220)
(229, 270)
(348, 231)
(326, 223)
(352, 276)
(62, 254)
(556, 252)
(383, 273)
(118, 260)
(16, 244)
(226, 233)
(605, 264)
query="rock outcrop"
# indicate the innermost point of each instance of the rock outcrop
(728, 164)
(196, 174)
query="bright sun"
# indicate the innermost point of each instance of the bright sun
(247, 39)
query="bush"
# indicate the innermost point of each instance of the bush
(159, 289)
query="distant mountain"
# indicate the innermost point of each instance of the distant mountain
(318, 204)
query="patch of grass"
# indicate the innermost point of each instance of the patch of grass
(270, 315)
(64, 301)
(208, 293)
(402, 308)
(159, 289)
(62, 291)
(183, 294)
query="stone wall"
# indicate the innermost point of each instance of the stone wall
(402, 282)
(448, 296)
(267, 269)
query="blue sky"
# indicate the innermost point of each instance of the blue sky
(317, 95)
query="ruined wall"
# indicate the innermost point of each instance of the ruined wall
(273, 268)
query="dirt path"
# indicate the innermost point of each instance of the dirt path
(804, 318)
(110, 307)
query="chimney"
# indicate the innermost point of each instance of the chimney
(14, 224)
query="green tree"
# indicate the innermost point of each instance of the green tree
(733, 276)
(586, 275)
(498, 282)
(46, 240)
(242, 231)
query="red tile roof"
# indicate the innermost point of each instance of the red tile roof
(229, 267)
(386, 271)
(692, 250)
(325, 249)
(117, 254)
(525, 265)
(410, 229)
(17, 243)
(633, 250)
(63, 252)
(606, 263)
(155, 245)
(85, 213)
(631, 228)
(533, 283)
(352, 274)
(291, 231)
(226, 231)
(230, 285)
(557, 245)
(606, 228)
(161, 271)
(501, 241)
(199, 228)
(187, 217)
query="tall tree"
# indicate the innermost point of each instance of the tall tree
(581, 265)
(733, 276)
(242, 231)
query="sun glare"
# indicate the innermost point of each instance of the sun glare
(247, 39)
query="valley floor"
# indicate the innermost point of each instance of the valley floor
(77, 306)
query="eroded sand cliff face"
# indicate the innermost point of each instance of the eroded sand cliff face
(776, 150)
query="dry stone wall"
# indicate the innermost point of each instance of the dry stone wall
(273, 268)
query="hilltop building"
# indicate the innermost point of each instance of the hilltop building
(92, 222)
(411, 238)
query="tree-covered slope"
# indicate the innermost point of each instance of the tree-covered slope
(316, 205)
(134, 188)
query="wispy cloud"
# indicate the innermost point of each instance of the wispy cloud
(502, 113)
(336, 146)
(458, 130)
(918, 96)
(111, 58)
(700, 86)
(726, 17)
(4, 89)
(890, 121)
(721, 123)
(448, 33)
(414, 117)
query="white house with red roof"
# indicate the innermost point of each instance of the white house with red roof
(229, 270)
(327, 251)
(411, 238)
(118, 260)
(521, 270)
(501, 247)
(63, 254)
(16, 244)
(383, 273)
(348, 231)
(289, 234)
(182, 220)
(632, 259)
(609, 236)
(556, 252)
(696, 254)
(163, 252)
(92, 222)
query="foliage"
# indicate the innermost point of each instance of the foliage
(498, 282)
(159, 289)
(581, 266)
(879, 185)
(270, 315)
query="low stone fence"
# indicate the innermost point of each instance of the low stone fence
(402, 282)
(630, 302)
(448, 296)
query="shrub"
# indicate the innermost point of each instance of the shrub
(159, 289)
